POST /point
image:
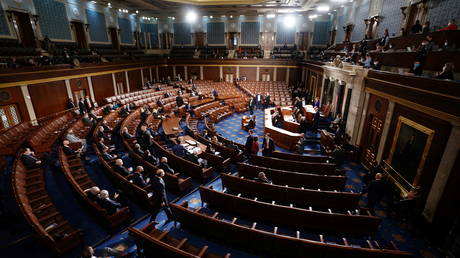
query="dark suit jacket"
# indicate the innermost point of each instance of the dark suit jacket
(107, 156)
(29, 161)
(88, 104)
(121, 170)
(110, 206)
(166, 168)
(68, 151)
(248, 143)
(375, 190)
(81, 106)
(271, 145)
(138, 180)
(179, 101)
(144, 139)
(160, 189)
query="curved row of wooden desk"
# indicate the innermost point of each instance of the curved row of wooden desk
(282, 138)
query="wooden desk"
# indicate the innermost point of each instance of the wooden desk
(309, 112)
(281, 137)
(199, 144)
(169, 124)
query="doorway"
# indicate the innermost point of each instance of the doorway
(347, 106)
(114, 38)
(9, 116)
(372, 141)
(79, 94)
(229, 77)
(80, 34)
(25, 30)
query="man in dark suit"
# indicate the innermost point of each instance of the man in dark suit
(268, 145)
(29, 159)
(138, 150)
(68, 150)
(248, 144)
(161, 200)
(262, 178)
(375, 191)
(179, 148)
(144, 138)
(81, 106)
(92, 193)
(179, 100)
(215, 93)
(108, 204)
(120, 169)
(138, 179)
(267, 100)
(258, 100)
(165, 166)
(106, 155)
(88, 103)
(251, 106)
(150, 158)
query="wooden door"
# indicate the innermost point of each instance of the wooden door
(114, 38)
(372, 141)
(80, 34)
(199, 39)
(9, 116)
(26, 32)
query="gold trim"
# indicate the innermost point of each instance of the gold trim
(36, 81)
(52, 79)
(417, 89)
(422, 108)
(421, 128)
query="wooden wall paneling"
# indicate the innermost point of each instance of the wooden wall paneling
(249, 72)
(48, 98)
(78, 84)
(102, 87)
(180, 70)
(211, 73)
(441, 135)
(229, 70)
(135, 80)
(281, 74)
(15, 98)
(267, 70)
(165, 71)
(121, 78)
(146, 74)
(295, 75)
(193, 71)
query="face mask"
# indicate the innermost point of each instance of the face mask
(416, 65)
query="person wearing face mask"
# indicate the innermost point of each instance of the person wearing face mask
(416, 69)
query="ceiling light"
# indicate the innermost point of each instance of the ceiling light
(289, 21)
(210, 17)
(191, 17)
(323, 8)
(137, 11)
(93, 2)
(231, 16)
(314, 16)
(173, 18)
(271, 15)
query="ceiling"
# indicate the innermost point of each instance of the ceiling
(163, 8)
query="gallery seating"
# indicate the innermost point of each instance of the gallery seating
(299, 197)
(154, 242)
(30, 192)
(290, 215)
(265, 241)
(294, 179)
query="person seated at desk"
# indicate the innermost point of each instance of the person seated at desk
(251, 123)
(179, 148)
(206, 135)
(101, 144)
(107, 109)
(215, 93)
(138, 178)
(101, 134)
(452, 25)
(120, 169)
(107, 128)
(145, 112)
(144, 137)
(106, 155)
(69, 151)
(193, 157)
(138, 150)
(165, 166)
(29, 159)
(93, 115)
(179, 100)
(71, 137)
(336, 122)
(88, 121)
(416, 69)
(301, 144)
(108, 204)
(215, 140)
(92, 193)
(125, 133)
(150, 158)
(447, 72)
(124, 111)
(262, 178)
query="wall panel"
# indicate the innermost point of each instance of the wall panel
(249, 72)
(281, 74)
(43, 91)
(211, 73)
(17, 99)
(102, 87)
(135, 80)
